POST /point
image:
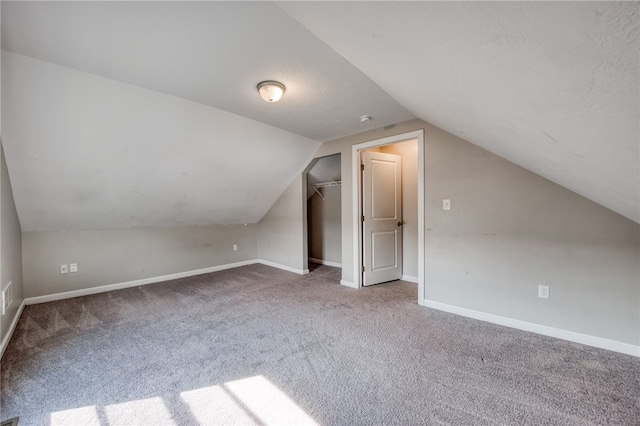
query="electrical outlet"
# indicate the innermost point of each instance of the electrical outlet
(446, 204)
(7, 297)
(543, 291)
(235, 247)
(73, 267)
(63, 269)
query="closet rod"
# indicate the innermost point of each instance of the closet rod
(329, 184)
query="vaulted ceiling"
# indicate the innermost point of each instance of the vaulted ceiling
(551, 86)
(128, 114)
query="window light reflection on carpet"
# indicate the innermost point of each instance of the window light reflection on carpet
(253, 400)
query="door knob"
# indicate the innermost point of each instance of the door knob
(399, 223)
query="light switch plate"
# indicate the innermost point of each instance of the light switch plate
(446, 204)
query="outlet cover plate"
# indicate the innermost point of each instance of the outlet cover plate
(543, 291)
(7, 297)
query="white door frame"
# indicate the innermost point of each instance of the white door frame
(357, 205)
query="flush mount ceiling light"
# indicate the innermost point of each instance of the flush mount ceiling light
(271, 91)
(365, 119)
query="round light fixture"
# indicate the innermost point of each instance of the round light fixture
(365, 119)
(271, 91)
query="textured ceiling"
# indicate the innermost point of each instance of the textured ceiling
(86, 152)
(551, 86)
(128, 114)
(213, 53)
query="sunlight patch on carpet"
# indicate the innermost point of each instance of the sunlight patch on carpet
(150, 411)
(251, 401)
(254, 400)
(87, 416)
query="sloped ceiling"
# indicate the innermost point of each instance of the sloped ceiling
(127, 114)
(325, 169)
(87, 152)
(213, 53)
(550, 86)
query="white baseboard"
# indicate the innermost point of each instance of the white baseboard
(134, 283)
(152, 280)
(14, 323)
(348, 284)
(283, 267)
(571, 336)
(325, 262)
(410, 279)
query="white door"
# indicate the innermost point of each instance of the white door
(382, 217)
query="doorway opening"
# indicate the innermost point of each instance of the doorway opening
(410, 147)
(324, 215)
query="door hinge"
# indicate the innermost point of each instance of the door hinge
(361, 166)
(362, 268)
(363, 218)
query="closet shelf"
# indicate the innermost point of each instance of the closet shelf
(318, 185)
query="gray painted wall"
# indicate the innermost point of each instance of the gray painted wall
(508, 231)
(10, 248)
(281, 238)
(121, 255)
(325, 234)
